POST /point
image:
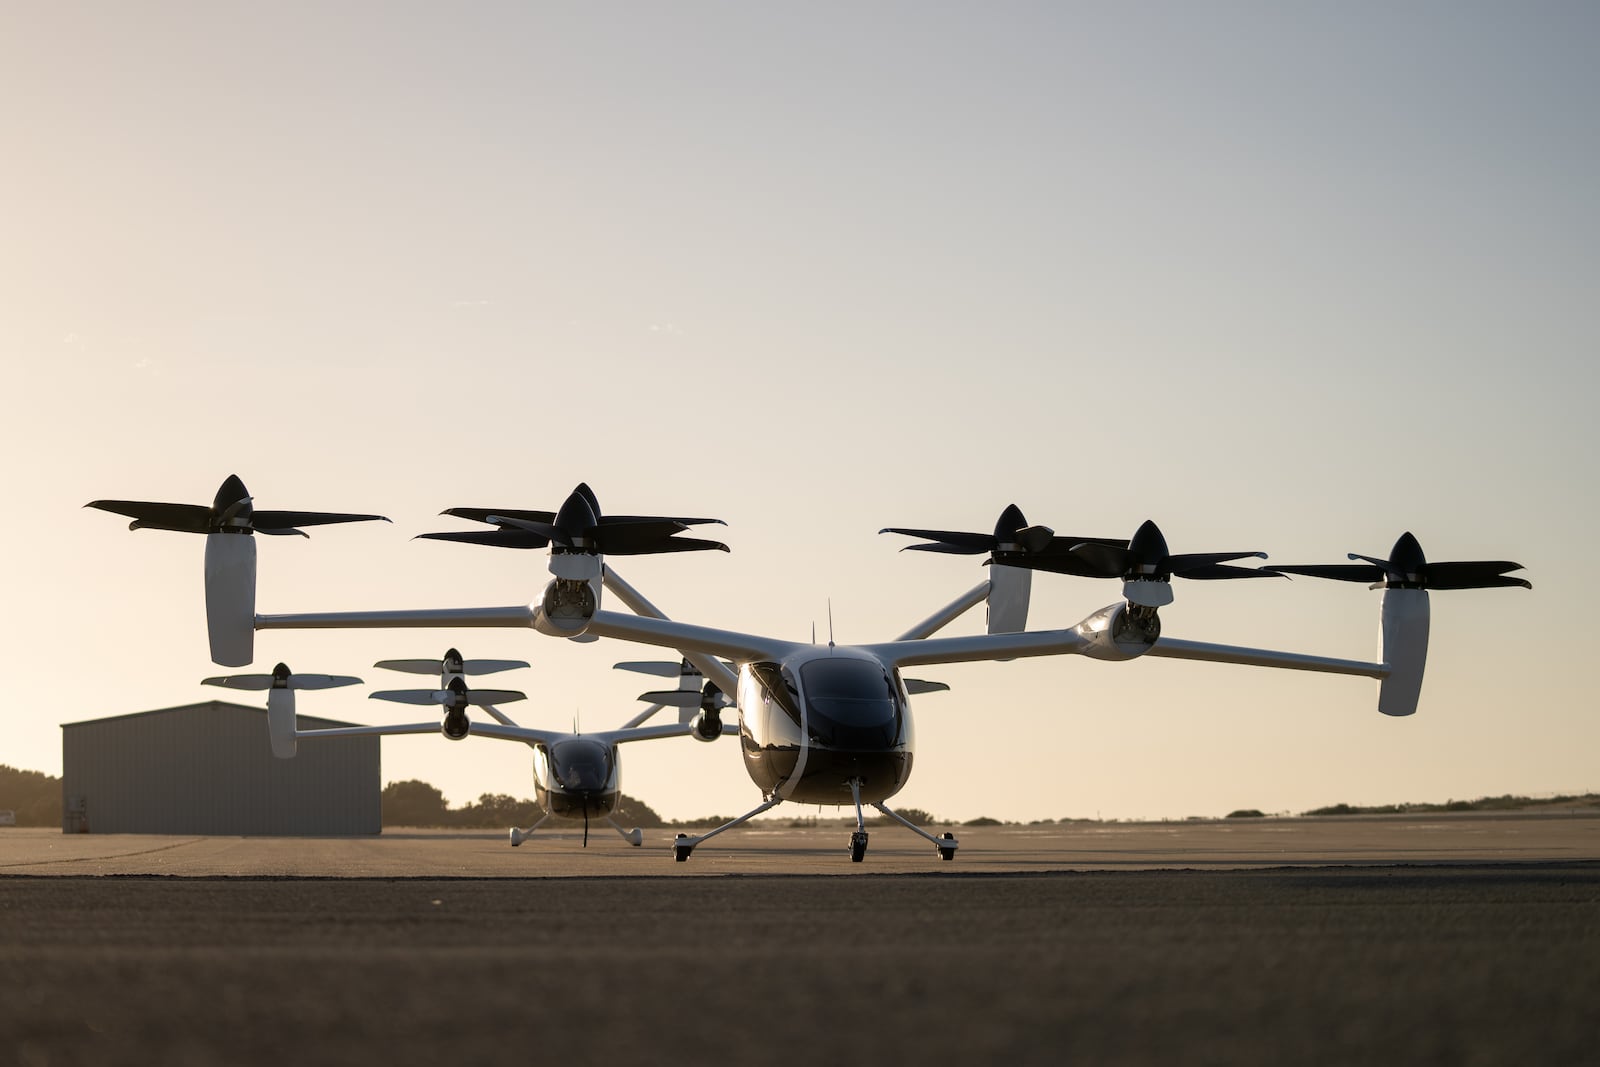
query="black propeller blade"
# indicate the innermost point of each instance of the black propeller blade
(580, 527)
(451, 663)
(455, 698)
(231, 511)
(1013, 543)
(1147, 557)
(1408, 568)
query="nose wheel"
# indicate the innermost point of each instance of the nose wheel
(858, 840)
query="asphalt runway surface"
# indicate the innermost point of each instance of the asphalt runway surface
(1443, 959)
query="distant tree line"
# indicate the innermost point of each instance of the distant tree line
(35, 797)
(1504, 802)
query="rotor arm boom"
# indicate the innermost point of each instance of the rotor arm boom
(499, 716)
(949, 613)
(712, 668)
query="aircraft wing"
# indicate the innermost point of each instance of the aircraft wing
(980, 647)
(644, 733)
(1070, 642)
(664, 633)
(496, 731)
(372, 731)
(504, 732)
(512, 615)
(727, 644)
(1170, 648)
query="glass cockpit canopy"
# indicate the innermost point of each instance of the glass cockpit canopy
(581, 763)
(851, 702)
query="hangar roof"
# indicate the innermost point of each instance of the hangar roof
(207, 706)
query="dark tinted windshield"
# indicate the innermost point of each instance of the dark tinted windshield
(850, 693)
(579, 763)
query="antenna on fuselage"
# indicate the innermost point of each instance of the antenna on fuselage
(830, 624)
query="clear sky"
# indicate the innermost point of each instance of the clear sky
(1282, 277)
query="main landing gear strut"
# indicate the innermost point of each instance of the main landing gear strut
(683, 844)
(946, 845)
(634, 837)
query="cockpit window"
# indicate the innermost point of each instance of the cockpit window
(850, 693)
(581, 763)
(777, 686)
(837, 682)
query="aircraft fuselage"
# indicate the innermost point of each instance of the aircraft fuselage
(576, 777)
(820, 718)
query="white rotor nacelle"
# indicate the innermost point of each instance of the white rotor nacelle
(568, 604)
(1010, 589)
(1120, 631)
(1403, 648)
(280, 686)
(231, 598)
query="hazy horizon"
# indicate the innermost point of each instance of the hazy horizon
(798, 812)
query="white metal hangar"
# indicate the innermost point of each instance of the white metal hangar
(208, 769)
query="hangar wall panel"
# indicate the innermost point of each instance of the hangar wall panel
(208, 769)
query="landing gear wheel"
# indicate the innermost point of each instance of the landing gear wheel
(947, 852)
(858, 846)
(680, 851)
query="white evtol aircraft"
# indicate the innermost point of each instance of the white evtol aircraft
(576, 775)
(832, 724)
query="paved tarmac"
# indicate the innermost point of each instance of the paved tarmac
(774, 847)
(1454, 940)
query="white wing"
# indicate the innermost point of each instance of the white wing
(664, 633)
(493, 731)
(511, 615)
(1169, 648)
